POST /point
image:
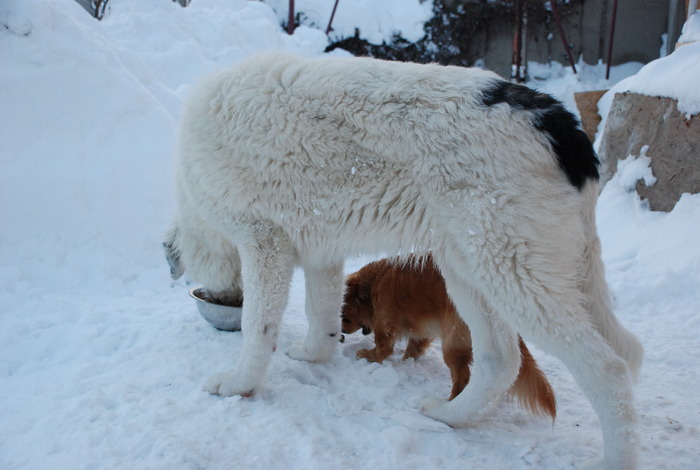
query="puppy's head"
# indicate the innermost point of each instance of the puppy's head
(358, 311)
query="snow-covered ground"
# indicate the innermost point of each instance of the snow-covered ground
(103, 357)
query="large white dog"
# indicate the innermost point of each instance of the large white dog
(285, 161)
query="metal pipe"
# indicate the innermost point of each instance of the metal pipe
(290, 19)
(557, 20)
(335, 6)
(517, 50)
(671, 28)
(523, 43)
(612, 36)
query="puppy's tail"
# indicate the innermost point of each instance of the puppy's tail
(531, 388)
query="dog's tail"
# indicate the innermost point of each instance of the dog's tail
(623, 342)
(531, 388)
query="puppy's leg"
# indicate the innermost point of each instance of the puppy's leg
(416, 347)
(384, 340)
(496, 356)
(268, 265)
(324, 294)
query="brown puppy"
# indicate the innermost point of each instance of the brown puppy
(408, 299)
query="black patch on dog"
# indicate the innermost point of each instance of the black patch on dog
(574, 151)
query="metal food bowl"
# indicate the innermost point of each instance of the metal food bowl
(220, 316)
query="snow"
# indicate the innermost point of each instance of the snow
(674, 76)
(558, 80)
(377, 21)
(691, 29)
(103, 357)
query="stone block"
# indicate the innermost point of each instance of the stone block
(674, 145)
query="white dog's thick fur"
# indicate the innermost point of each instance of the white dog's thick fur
(285, 161)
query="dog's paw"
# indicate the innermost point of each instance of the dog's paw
(593, 464)
(227, 384)
(371, 355)
(298, 352)
(363, 354)
(440, 410)
(366, 354)
(301, 352)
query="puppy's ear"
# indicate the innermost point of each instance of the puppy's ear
(358, 290)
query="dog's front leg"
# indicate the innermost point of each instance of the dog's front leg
(324, 294)
(384, 341)
(267, 267)
(416, 347)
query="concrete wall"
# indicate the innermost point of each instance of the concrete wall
(638, 29)
(466, 31)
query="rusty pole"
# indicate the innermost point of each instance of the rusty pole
(330, 22)
(517, 49)
(557, 20)
(610, 41)
(290, 19)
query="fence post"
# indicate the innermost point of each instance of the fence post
(330, 22)
(290, 19)
(612, 37)
(557, 19)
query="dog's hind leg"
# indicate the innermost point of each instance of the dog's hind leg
(495, 352)
(605, 379)
(559, 324)
(267, 266)
(554, 316)
(324, 297)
